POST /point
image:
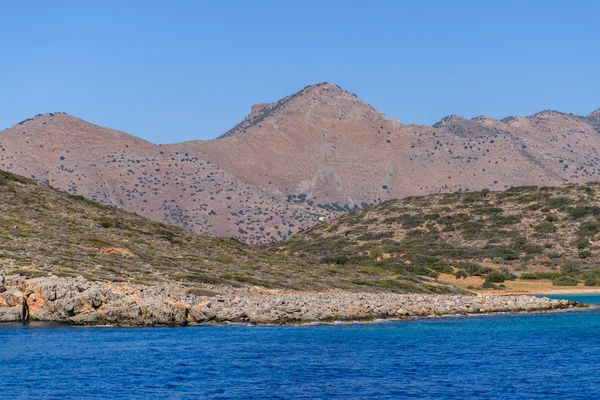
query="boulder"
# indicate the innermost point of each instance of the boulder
(11, 314)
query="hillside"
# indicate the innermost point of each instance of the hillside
(46, 232)
(163, 184)
(310, 156)
(530, 232)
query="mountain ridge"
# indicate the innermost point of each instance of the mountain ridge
(291, 163)
(273, 106)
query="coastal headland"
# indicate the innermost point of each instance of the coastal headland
(77, 301)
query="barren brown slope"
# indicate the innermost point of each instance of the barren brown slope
(160, 183)
(325, 143)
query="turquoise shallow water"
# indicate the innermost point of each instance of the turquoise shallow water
(510, 356)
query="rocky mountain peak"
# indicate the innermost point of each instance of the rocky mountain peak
(484, 119)
(549, 114)
(319, 98)
(257, 109)
(449, 121)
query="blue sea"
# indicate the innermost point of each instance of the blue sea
(509, 356)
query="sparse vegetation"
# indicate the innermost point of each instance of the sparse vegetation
(44, 231)
(488, 234)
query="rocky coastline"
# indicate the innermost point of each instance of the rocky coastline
(82, 302)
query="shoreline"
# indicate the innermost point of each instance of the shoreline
(582, 307)
(549, 292)
(80, 302)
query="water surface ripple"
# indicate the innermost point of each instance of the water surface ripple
(540, 356)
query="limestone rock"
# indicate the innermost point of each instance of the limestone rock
(77, 301)
(10, 314)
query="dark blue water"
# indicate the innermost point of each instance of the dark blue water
(539, 356)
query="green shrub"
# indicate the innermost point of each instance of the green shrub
(472, 227)
(461, 274)
(498, 277)
(534, 206)
(582, 242)
(501, 252)
(533, 249)
(474, 269)
(441, 267)
(590, 280)
(471, 197)
(376, 252)
(540, 275)
(370, 236)
(585, 253)
(423, 260)
(530, 198)
(569, 268)
(491, 210)
(418, 270)
(504, 220)
(565, 281)
(582, 211)
(558, 202)
(490, 285)
(588, 229)
(529, 277)
(340, 259)
(409, 221)
(545, 227)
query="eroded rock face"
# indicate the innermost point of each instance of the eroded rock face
(78, 301)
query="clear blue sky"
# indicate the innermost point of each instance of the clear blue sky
(170, 71)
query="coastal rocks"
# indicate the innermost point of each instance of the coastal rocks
(82, 302)
(127, 311)
(10, 314)
(302, 307)
(12, 306)
(77, 301)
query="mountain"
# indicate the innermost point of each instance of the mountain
(160, 182)
(323, 142)
(534, 232)
(289, 164)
